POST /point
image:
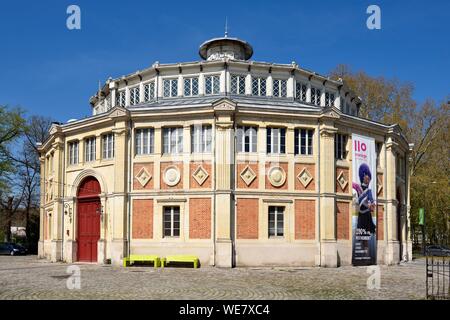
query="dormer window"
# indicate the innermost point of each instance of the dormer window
(120, 99)
(259, 87)
(280, 88)
(212, 85)
(135, 95)
(315, 96)
(170, 88)
(191, 87)
(300, 91)
(149, 91)
(237, 84)
(329, 99)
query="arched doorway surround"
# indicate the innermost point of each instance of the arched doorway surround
(88, 219)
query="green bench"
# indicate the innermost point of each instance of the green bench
(141, 258)
(180, 258)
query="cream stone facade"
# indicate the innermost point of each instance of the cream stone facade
(175, 160)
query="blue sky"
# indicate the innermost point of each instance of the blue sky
(52, 71)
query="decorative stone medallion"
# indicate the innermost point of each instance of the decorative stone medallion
(341, 180)
(143, 177)
(276, 176)
(248, 175)
(305, 177)
(171, 176)
(200, 175)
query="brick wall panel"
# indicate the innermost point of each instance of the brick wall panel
(142, 219)
(343, 220)
(200, 218)
(305, 219)
(247, 218)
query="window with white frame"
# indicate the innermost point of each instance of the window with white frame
(276, 140)
(246, 138)
(89, 149)
(108, 146)
(149, 91)
(134, 95)
(201, 138)
(315, 96)
(329, 99)
(304, 141)
(276, 221)
(170, 88)
(173, 140)
(73, 152)
(237, 84)
(212, 84)
(259, 87)
(121, 98)
(171, 221)
(144, 141)
(300, 91)
(191, 87)
(280, 88)
(340, 144)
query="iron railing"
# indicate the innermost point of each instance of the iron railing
(438, 277)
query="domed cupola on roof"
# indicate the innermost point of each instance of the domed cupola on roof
(225, 47)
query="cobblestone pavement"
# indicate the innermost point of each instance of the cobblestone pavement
(30, 278)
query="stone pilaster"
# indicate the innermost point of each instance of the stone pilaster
(120, 211)
(392, 250)
(224, 204)
(328, 251)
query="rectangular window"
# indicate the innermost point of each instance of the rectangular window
(276, 221)
(73, 152)
(89, 149)
(276, 140)
(134, 95)
(212, 85)
(149, 91)
(279, 88)
(300, 91)
(108, 146)
(190, 87)
(144, 141)
(170, 88)
(340, 143)
(201, 138)
(120, 98)
(329, 99)
(246, 139)
(171, 221)
(259, 87)
(173, 140)
(315, 96)
(304, 141)
(237, 84)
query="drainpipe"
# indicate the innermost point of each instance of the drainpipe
(318, 186)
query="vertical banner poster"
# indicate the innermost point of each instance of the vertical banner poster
(364, 177)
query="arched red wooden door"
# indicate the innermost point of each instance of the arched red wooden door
(88, 219)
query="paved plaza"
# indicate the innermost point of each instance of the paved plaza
(30, 278)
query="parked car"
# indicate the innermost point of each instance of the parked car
(12, 249)
(437, 250)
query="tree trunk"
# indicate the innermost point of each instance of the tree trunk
(8, 220)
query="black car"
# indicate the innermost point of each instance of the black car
(12, 249)
(437, 250)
